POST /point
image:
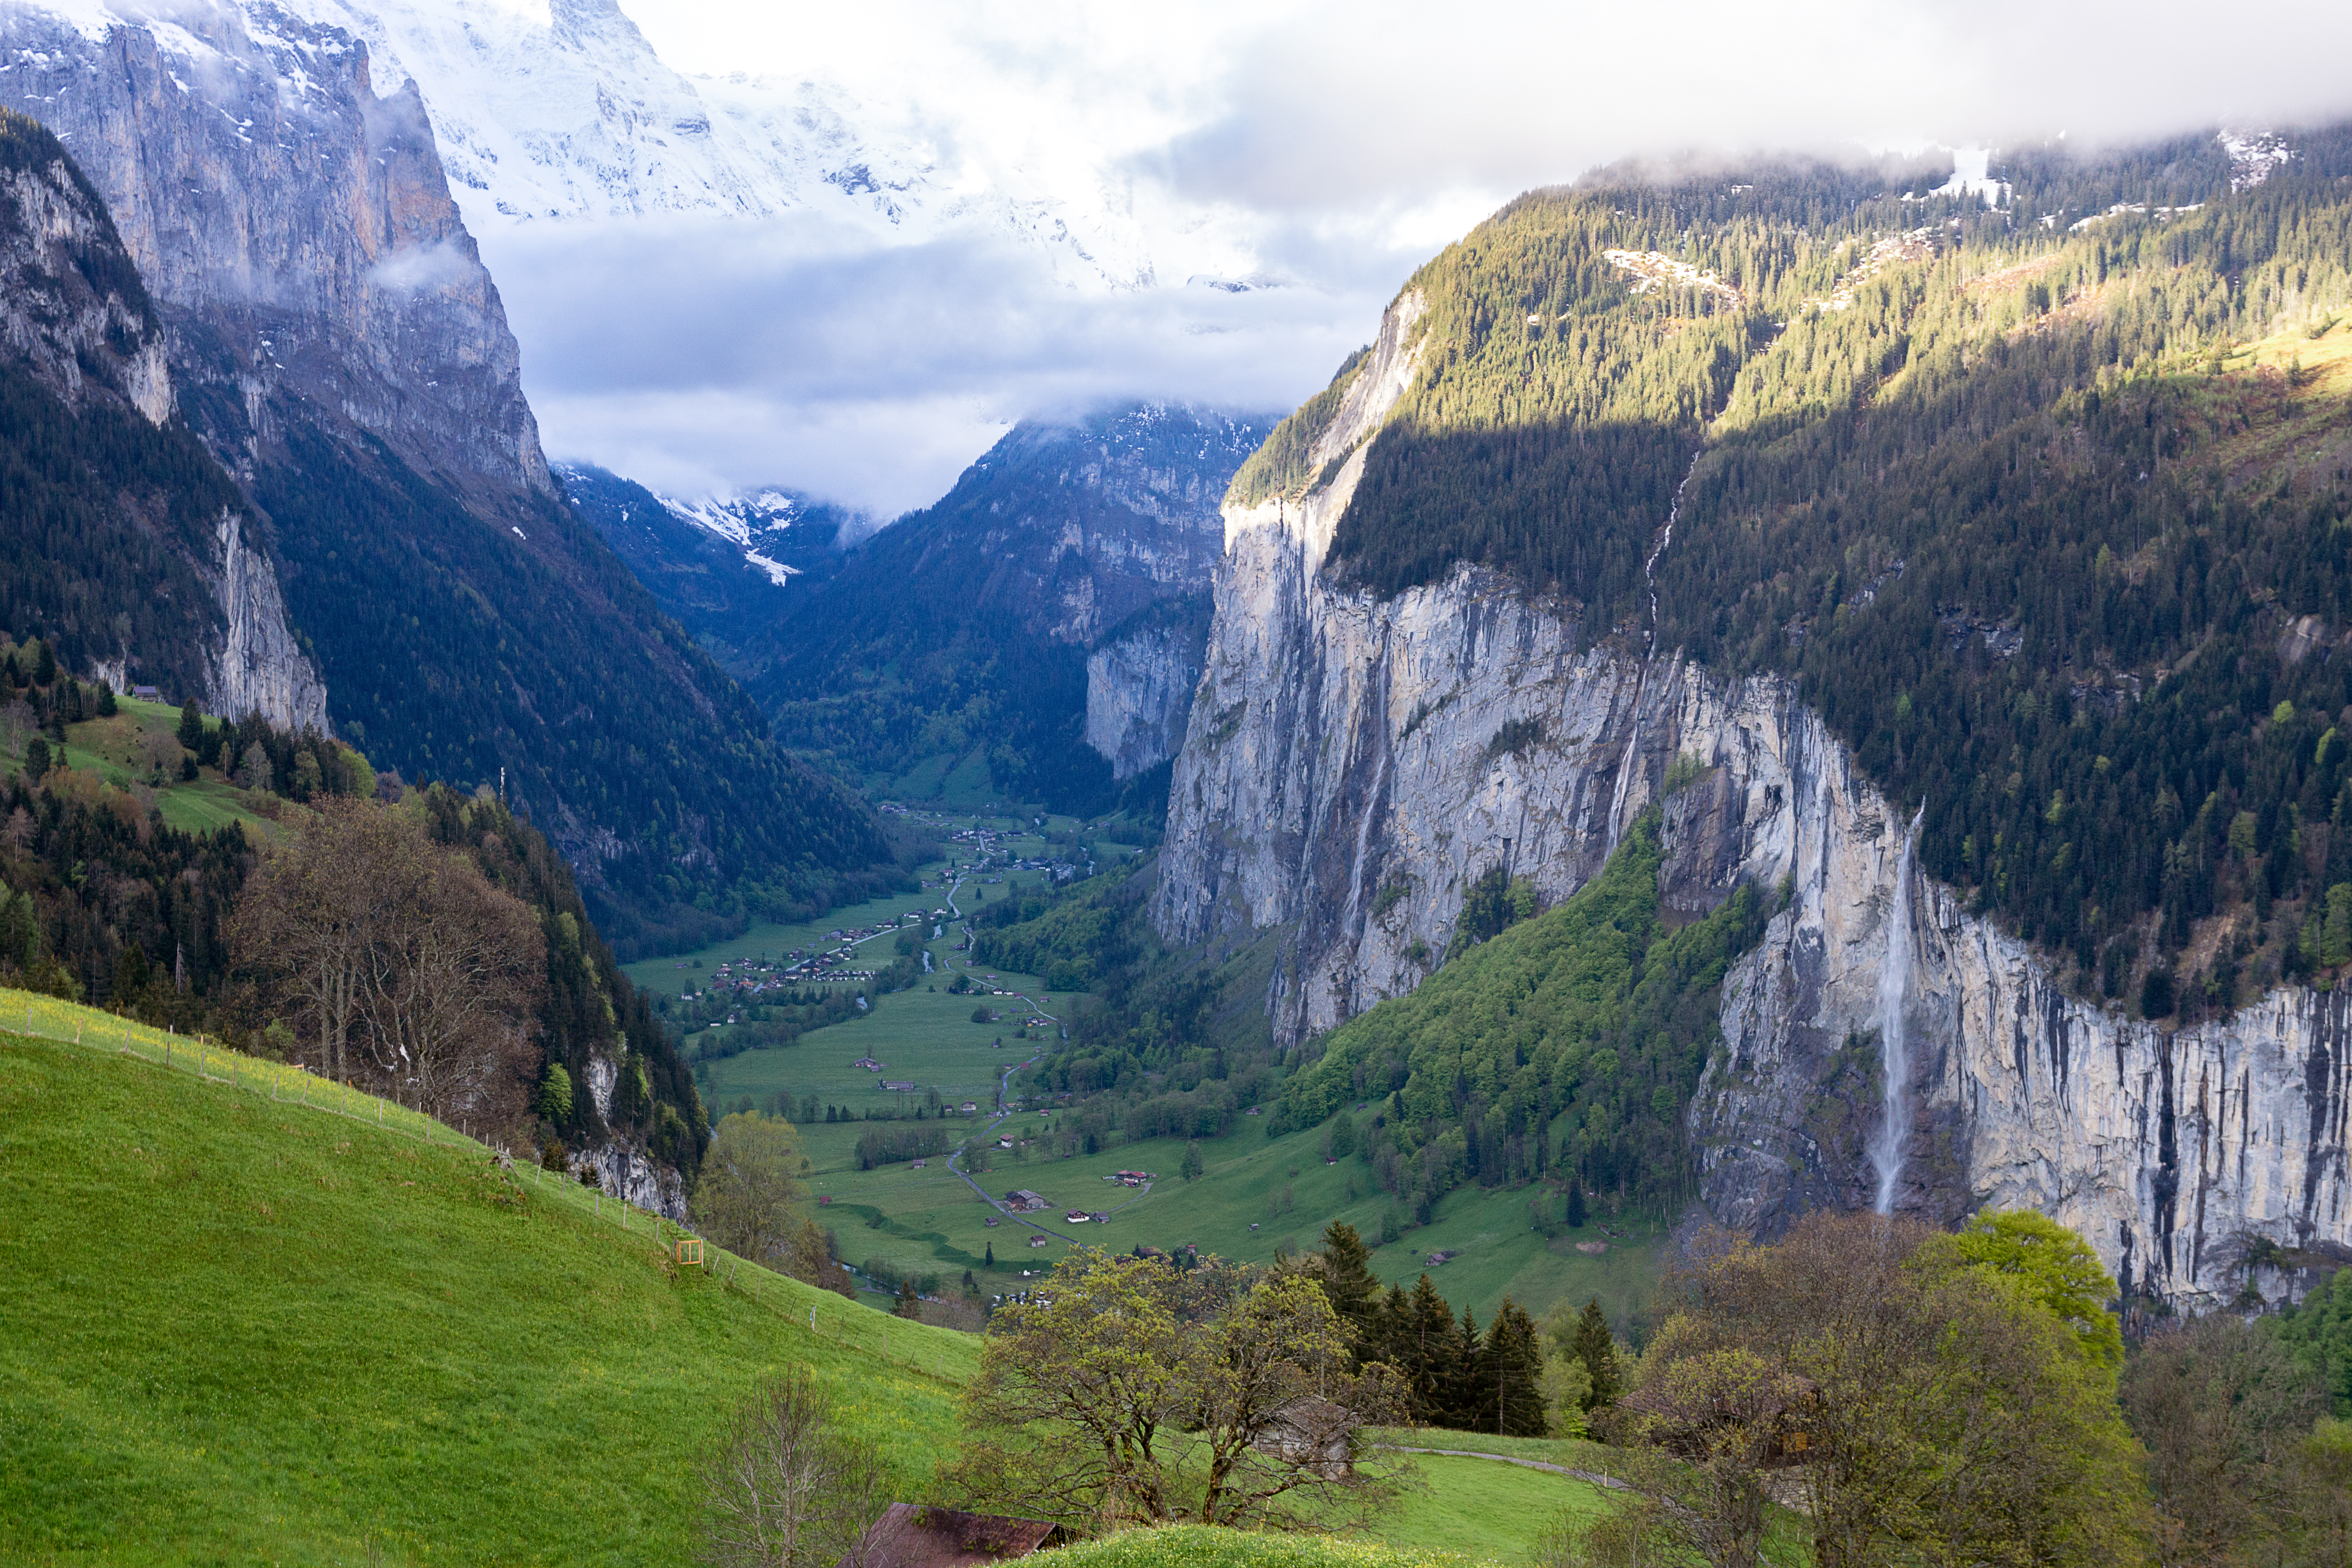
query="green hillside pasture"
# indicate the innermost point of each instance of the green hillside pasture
(925, 1037)
(929, 1220)
(109, 748)
(243, 1329)
(671, 973)
(1488, 1509)
(1203, 1546)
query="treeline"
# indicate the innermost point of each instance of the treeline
(1591, 1027)
(892, 1145)
(107, 903)
(2046, 545)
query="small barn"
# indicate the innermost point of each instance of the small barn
(911, 1535)
(1312, 1432)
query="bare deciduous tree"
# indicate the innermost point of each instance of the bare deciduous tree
(787, 1488)
(398, 964)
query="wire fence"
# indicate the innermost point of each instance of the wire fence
(819, 1313)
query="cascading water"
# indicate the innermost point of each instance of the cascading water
(1649, 648)
(1894, 1039)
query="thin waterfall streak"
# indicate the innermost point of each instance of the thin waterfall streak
(1363, 842)
(1893, 1036)
(1649, 650)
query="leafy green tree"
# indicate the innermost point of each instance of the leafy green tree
(555, 1095)
(2318, 1329)
(754, 1178)
(1131, 1392)
(1191, 1167)
(2050, 1265)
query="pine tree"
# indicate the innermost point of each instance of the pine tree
(1423, 1351)
(1345, 1272)
(1513, 1375)
(971, 1285)
(1465, 1376)
(910, 1301)
(1575, 1203)
(1597, 1348)
(989, 1261)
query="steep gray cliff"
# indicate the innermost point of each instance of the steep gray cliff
(1140, 690)
(273, 200)
(1352, 763)
(77, 320)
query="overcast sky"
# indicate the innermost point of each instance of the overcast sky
(1332, 147)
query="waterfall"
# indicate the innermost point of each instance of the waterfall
(1894, 1039)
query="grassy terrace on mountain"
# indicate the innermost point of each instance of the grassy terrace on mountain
(2033, 501)
(1565, 1045)
(247, 1330)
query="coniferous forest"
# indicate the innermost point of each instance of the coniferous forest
(2044, 508)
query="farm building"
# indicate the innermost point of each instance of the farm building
(1313, 1432)
(1021, 1200)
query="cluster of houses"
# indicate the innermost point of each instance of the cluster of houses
(1130, 1178)
(1084, 1216)
(1021, 1200)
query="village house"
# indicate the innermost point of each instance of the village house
(1021, 1200)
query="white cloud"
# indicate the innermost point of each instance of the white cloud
(1333, 145)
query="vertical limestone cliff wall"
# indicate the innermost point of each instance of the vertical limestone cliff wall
(297, 221)
(1352, 763)
(75, 316)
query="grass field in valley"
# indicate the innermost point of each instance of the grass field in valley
(250, 1329)
(1256, 1196)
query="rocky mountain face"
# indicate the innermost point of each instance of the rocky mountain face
(571, 113)
(1046, 612)
(268, 194)
(1355, 761)
(339, 345)
(122, 485)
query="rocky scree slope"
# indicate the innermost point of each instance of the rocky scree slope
(338, 344)
(969, 626)
(1434, 656)
(126, 545)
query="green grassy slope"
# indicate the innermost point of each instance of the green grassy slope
(248, 1330)
(110, 748)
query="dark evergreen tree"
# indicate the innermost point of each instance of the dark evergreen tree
(990, 1260)
(1345, 1272)
(1575, 1215)
(1596, 1347)
(909, 1303)
(192, 725)
(1511, 1375)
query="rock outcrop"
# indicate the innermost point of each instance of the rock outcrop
(272, 200)
(1140, 688)
(1353, 763)
(76, 315)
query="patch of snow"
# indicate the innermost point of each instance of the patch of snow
(1971, 176)
(2254, 156)
(1656, 270)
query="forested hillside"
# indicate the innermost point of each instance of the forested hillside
(961, 632)
(103, 901)
(2044, 503)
